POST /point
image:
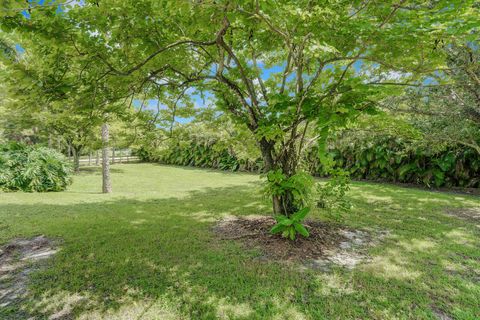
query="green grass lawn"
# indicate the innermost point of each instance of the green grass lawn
(148, 252)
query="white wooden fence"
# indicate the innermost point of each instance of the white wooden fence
(117, 156)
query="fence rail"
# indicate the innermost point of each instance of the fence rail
(93, 161)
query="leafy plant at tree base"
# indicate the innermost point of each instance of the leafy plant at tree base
(33, 169)
(295, 191)
(290, 226)
(289, 193)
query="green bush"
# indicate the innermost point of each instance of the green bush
(33, 169)
(393, 159)
(201, 153)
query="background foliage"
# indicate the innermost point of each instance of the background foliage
(378, 148)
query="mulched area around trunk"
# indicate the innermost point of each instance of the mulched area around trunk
(327, 243)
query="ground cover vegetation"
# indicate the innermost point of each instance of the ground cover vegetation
(149, 249)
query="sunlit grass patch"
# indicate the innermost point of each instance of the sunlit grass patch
(391, 267)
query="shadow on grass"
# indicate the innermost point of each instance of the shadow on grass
(98, 170)
(205, 169)
(137, 257)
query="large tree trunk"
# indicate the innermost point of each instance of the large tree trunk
(106, 183)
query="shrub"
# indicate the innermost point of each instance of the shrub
(388, 158)
(33, 169)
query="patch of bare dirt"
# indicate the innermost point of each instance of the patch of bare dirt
(18, 259)
(467, 214)
(328, 244)
(439, 314)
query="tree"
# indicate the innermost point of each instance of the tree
(279, 67)
(106, 182)
(36, 84)
(53, 78)
(229, 45)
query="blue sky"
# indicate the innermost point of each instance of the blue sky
(60, 7)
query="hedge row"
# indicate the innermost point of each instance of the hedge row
(388, 159)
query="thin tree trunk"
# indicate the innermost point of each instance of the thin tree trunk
(90, 158)
(113, 155)
(97, 158)
(106, 183)
(76, 159)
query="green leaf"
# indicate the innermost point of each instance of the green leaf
(301, 229)
(405, 169)
(277, 228)
(280, 217)
(301, 214)
(292, 234)
(287, 222)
